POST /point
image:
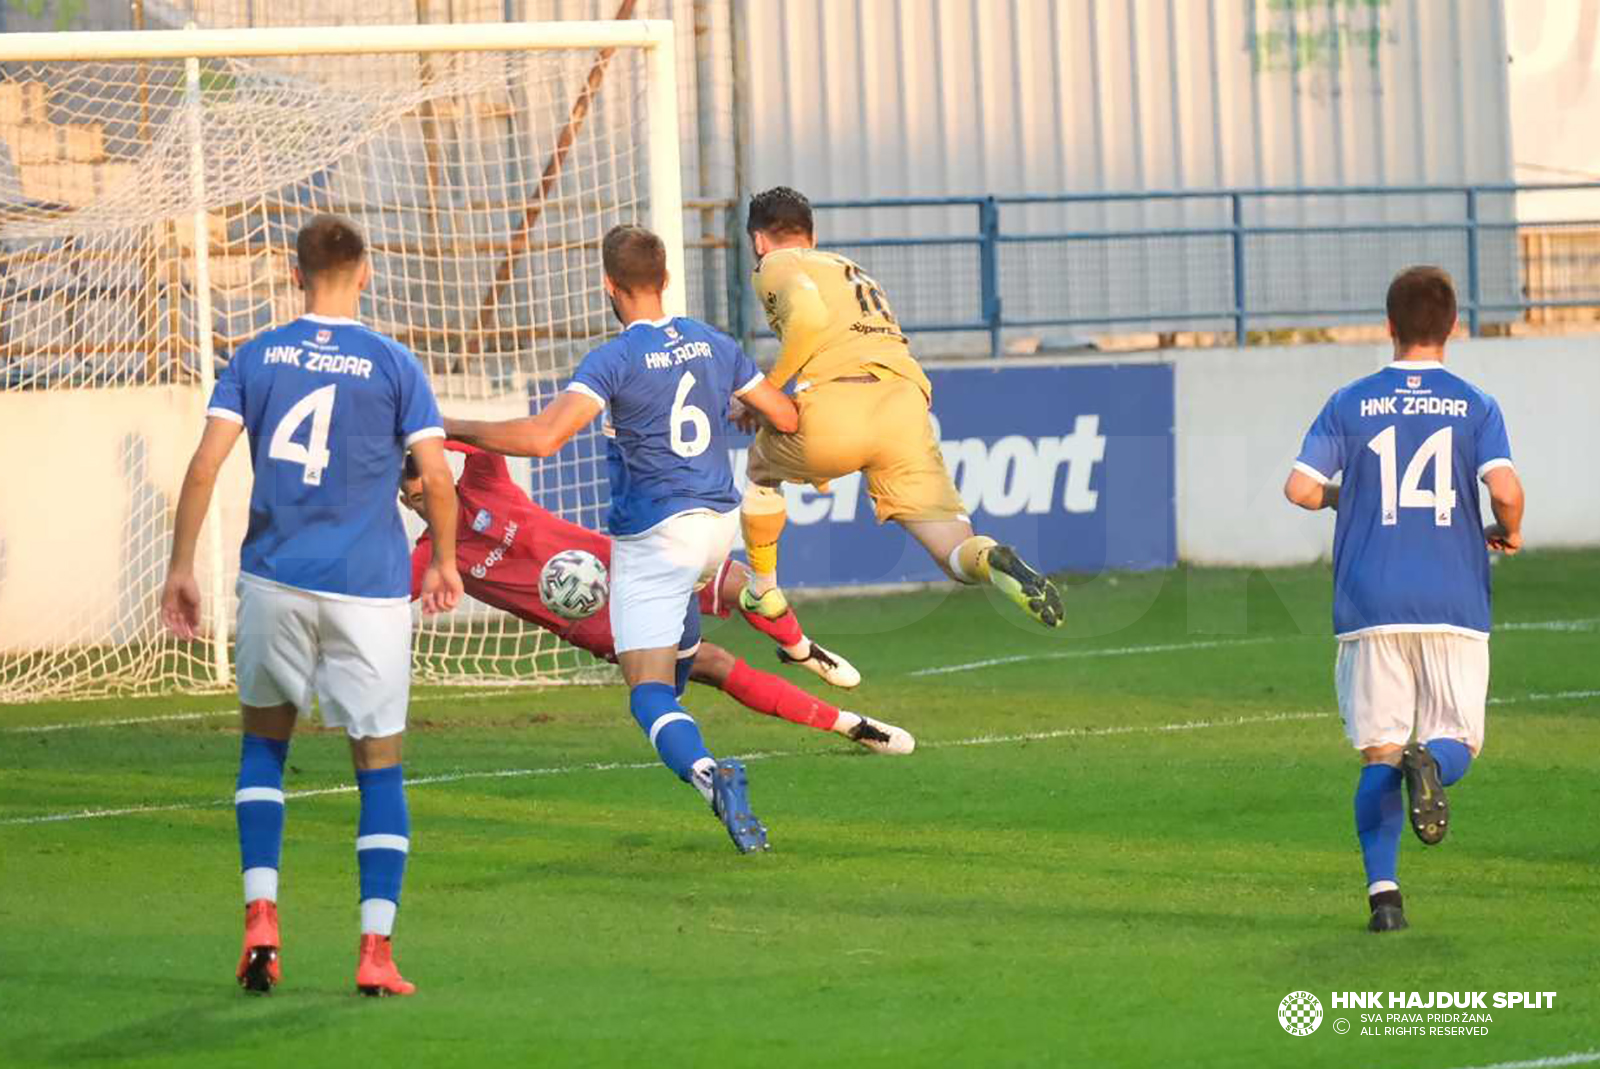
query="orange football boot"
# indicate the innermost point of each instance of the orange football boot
(376, 972)
(258, 965)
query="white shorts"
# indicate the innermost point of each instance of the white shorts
(355, 656)
(1394, 683)
(653, 574)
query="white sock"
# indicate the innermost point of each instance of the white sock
(846, 723)
(761, 582)
(1377, 886)
(260, 883)
(800, 650)
(700, 777)
(377, 916)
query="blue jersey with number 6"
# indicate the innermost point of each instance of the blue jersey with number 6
(1408, 549)
(330, 408)
(666, 387)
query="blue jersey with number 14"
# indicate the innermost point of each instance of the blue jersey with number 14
(330, 408)
(666, 386)
(1408, 550)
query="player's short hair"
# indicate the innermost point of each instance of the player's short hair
(1422, 305)
(328, 243)
(409, 470)
(635, 259)
(780, 210)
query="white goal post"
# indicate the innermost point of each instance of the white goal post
(150, 187)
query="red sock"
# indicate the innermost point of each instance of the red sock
(766, 693)
(785, 630)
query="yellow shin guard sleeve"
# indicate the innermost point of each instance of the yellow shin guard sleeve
(971, 558)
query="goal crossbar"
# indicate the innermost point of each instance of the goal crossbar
(78, 46)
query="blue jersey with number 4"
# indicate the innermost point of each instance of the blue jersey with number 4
(666, 387)
(330, 408)
(1408, 550)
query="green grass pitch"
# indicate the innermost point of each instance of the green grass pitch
(1121, 846)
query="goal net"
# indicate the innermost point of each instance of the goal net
(151, 186)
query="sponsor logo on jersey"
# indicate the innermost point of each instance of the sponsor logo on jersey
(482, 520)
(498, 553)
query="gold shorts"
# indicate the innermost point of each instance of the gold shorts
(880, 429)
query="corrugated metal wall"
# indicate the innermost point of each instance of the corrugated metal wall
(883, 98)
(868, 98)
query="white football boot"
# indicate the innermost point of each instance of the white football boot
(834, 669)
(875, 735)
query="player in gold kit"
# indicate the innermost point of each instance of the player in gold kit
(863, 401)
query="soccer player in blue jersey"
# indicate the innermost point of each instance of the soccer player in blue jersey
(667, 383)
(1410, 572)
(330, 408)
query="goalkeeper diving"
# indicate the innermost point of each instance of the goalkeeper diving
(864, 406)
(504, 540)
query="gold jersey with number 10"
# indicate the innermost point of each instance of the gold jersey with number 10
(833, 320)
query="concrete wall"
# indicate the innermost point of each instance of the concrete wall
(1241, 415)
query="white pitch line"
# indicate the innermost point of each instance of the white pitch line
(1114, 651)
(1582, 1057)
(121, 722)
(1174, 647)
(134, 721)
(1551, 625)
(618, 766)
(1554, 696)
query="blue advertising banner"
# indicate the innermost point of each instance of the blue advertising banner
(1071, 464)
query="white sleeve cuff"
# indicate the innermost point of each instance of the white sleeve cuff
(225, 413)
(1306, 469)
(752, 384)
(423, 435)
(587, 391)
(1489, 465)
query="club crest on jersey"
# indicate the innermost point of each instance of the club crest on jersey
(1414, 381)
(672, 332)
(324, 337)
(482, 520)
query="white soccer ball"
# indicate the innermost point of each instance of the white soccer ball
(573, 584)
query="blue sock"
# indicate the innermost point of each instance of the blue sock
(1380, 818)
(382, 843)
(672, 730)
(258, 808)
(1453, 756)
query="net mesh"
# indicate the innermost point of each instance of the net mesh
(483, 181)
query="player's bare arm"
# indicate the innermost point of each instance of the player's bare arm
(539, 435)
(1505, 501)
(441, 583)
(1310, 493)
(773, 405)
(180, 597)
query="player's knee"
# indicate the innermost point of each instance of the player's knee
(1385, 754)
(711, 665)
(763, 500)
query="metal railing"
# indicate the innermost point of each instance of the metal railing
(1227, 255)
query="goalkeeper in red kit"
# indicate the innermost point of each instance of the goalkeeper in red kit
(503, 541)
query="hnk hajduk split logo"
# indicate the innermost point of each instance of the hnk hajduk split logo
(1300, 1013)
